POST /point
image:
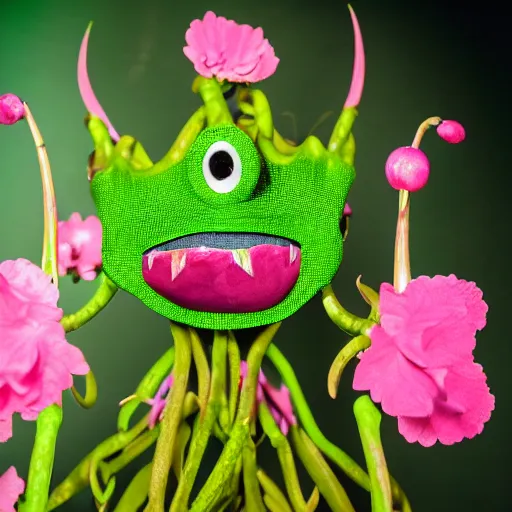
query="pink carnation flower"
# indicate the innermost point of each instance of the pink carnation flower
(36, 361)
(80, 246)
(420, 365)
(11, 487)
(277, 400)
(222, 48)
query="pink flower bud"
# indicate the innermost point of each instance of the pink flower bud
(451, 131)
(11, 109)
(347, 211)
(408, 169)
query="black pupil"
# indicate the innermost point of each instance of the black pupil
(221, 165)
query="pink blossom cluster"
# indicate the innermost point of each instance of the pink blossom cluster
(224, 49)
(36, 361)
(79, 250)
(420, 365)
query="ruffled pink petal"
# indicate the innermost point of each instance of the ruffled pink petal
(222, 48)
(11, 488)
(392, 380)
(467, 408)
(5, 429)
(29, 281)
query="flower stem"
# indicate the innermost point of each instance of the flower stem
(338, 456)
(203, 427)
(320, 472)
(285, 455)
(162, 460)
(402, 263)
(103, 295)
(218, 482)
(253, 498)
(41, 461)
(368, 421)
(49, 264)
(402, 266)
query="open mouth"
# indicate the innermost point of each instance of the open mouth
(223, 272)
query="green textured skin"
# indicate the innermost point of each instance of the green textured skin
(301, 198)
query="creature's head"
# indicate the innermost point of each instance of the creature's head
(234, 227)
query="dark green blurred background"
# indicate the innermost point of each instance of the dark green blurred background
(423, 59)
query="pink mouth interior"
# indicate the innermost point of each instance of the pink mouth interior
(223, 281)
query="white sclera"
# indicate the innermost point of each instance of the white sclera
(228, 184)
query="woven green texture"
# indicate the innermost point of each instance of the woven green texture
(301, 200)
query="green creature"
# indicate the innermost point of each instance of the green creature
(235, 227)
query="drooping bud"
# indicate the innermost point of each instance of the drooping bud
(11, 109)
(451, 131)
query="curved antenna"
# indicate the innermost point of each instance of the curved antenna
(88, 97)
(358, 73)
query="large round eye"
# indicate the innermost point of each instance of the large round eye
(222, 168)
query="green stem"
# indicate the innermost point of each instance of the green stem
(136, 492)
(346, 321)
(368, 422)
(162, 460)
(320, 472)
(41, 462)
(234, 376)
(285, 455)
(91, 392)
(146, 389)
(203, 427)
(345, 355)
(103, 295)
(338, 456)
(218, 481)
(203, 370)
(253, 499)
(273, 492)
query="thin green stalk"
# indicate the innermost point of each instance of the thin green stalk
(146, 389)
(203, 427)
(253, 498)
(91, 392)
(320, 472)
(136, 492)
(338, 456)
(79, 478)
(346, 321)
(103, 295)
(285, 455)
(368, 422)
(162, 460)
(41, 461)
(218, 482)
(203, 370)
(234, 376)
(273, 492)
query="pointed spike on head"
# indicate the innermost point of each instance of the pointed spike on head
(358, 73)
(86, 92)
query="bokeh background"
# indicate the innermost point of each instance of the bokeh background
(423, 59)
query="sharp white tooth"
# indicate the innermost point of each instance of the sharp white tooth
(293, 253)
(179, 260)
(243, 259)
(151, 257)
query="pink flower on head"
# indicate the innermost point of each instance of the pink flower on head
(80, 246)
(11, 109)
(36, 362)
(420, 364)
(229, 51)
(11, 487)
(277, 400)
